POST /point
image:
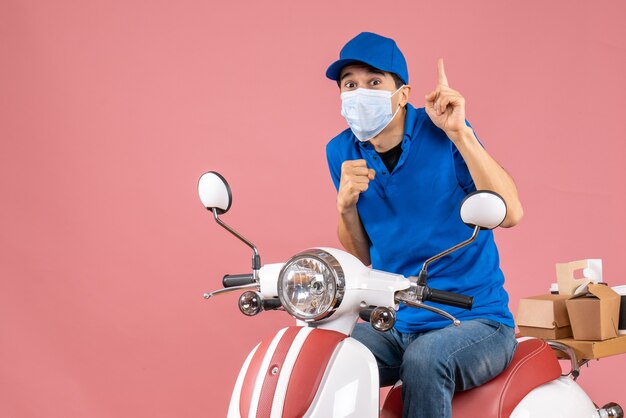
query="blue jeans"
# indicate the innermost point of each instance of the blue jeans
(434, 364)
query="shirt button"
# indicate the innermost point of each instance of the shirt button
(375, 157)
(384, 172)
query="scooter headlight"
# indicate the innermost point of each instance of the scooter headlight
(311, 285)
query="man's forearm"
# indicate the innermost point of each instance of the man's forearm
(487, 174)
(352, 235)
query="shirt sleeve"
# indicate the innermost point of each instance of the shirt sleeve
(462, 172)
(334, 165)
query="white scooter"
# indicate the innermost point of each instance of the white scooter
(315, 369)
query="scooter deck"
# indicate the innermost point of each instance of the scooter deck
(593, 350)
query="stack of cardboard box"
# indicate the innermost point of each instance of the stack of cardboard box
(587, 311)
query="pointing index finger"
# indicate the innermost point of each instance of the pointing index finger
(443, 80)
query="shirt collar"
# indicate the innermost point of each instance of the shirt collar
(409, 123)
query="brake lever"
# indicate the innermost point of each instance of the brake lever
(413, 297)
(251, 286)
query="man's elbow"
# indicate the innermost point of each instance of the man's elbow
(513, 217)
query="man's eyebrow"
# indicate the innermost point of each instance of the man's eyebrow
(375, 71)
(369, 70)
(345, 75)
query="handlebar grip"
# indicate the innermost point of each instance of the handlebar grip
(269, 304)
(449, 298)
(231, 280)
(366, 313)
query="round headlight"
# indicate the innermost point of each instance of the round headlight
(311, 285)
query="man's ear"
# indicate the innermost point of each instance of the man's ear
(405, 94)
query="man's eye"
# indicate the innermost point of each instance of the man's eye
(350, 84)
(375, 82)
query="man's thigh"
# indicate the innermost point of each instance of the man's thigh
(386, 349)
(471, 354)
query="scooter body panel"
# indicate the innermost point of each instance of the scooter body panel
(561, 398)
(282, 377)
(349, 388)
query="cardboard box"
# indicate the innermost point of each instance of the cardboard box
(543, 316)
(566, 275)
(597, 349)
(594, 315)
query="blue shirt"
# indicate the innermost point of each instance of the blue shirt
(412, 213)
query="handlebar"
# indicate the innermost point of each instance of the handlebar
(449, 298)
(231, 280)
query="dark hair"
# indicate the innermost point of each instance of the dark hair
(396, 78)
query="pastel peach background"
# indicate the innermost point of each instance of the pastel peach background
(110, 111)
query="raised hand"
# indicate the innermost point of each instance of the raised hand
(445, 106)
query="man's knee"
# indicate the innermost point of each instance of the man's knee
(423, 362)
(361, 332)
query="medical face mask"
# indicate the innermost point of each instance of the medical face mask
(367, 111)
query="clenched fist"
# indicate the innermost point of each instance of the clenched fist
(355, 178)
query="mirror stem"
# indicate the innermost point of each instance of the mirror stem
(256, 258)
(424, 272)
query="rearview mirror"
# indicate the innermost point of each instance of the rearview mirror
(215, 195)
(214, 192)
(483, 208)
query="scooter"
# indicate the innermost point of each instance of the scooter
(315, 369)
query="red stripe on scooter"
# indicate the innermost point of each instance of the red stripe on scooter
(247, 388)
(268, 389)
(308, 371)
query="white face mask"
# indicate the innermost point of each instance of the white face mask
(367, 111)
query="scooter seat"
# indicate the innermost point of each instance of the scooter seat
(533, 364)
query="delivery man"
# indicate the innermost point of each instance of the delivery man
(401, 173)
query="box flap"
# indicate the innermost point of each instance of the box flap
(599, 291)
(602, 292)
(561, 318)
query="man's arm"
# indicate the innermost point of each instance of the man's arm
(488, 175)
(352, 235)
(446, 108)
(355, 178)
